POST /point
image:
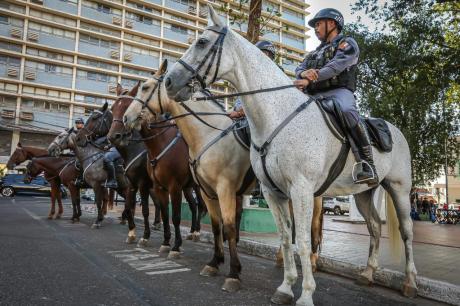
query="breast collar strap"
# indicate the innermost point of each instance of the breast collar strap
(214, 52)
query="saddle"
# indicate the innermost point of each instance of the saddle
(377, 128)
(242, 132)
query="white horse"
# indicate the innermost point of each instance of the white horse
(221, 164)
(298, 158)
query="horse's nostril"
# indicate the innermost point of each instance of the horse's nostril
(168, 82)
(117, 136)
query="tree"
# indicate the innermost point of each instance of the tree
(409, 75)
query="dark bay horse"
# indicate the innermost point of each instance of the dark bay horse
(62, 167)
(169, 170)
(20, 155)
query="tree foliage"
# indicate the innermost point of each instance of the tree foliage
(409, 75)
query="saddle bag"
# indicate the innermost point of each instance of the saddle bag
(380, 134)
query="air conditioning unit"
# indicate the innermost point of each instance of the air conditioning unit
(30, 75)
(8, 114)
(192, 10)
(191, 39)
(15, 32)
(116, 20)
(128, 57)
(115, 54)
(128, 24)
(33, 36)
(203, 13)
(13, 72)
(26, 116)
(112, 89)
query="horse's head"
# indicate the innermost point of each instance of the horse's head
(31, 171)
(19, 155)
(118, 134)
(97, 125)
(204, 62)
(151, 100)
(62, 141)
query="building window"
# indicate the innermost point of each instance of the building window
(10, 46)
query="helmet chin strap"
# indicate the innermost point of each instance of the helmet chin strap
(328, 32)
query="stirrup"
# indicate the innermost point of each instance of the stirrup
(353, 172)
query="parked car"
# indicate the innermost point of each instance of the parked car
(337, 205)
(12, 184)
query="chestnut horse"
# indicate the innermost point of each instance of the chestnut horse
(169, 170)
(20, 155)
(60, 167)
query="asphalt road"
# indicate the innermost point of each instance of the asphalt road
(54, 262)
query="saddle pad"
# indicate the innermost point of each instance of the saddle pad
(380, 134)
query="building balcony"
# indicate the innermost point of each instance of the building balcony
(93, 85)
(272, 36)
(9, 71)
(293, 18)
(52, 40)
(48, 78)
(177, 6)
(10, 31)
(62, 6)
(145, 28)
(96, 50)
(96, 15)
(145, 60)
(154, 1)
(175, 35)
(294, 43)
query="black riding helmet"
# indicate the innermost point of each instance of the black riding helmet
(267, 46)
(328, 13)
(79, 121)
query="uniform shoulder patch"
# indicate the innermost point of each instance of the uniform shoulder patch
(346, 47)
(343, 45)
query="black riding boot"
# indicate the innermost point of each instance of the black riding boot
(368, 174)
(109, 167)
(79, 181)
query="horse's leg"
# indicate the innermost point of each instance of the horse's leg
(176, 202)
(59, 198)
(280, 210)
(110, 200)
(227, 200)
(239, 215)
(212, 267)
(400, 196)
(130, 200)
(193, 208)
(163, 199)
(316, 231)
(99, 196)
(365, 204)
(53, 201)
(302, 203)
(144, 191)
(105, 200)
(157, 221)
(73, 195)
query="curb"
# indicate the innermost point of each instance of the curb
(428, 288)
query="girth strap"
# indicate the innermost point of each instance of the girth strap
(263, 149)
(133, 160)
(165, 150)
(65, 166)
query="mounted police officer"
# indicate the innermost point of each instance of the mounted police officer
(331, 71)
(269, 50)
(111, 156)
(79, 124)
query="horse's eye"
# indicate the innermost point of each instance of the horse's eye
(144, 87)
(202, 42)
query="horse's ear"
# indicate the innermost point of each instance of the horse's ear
(104, 107)
(214, 19)
(134, 90)
(19, 145)
(163, 67)
(119, 89)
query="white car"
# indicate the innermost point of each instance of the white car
(337, 205)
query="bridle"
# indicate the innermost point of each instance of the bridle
(93, 133)
(145, 104)
(214, 52)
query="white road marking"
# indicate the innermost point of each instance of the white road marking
(31, 214)
(143, 260)
(168, 271)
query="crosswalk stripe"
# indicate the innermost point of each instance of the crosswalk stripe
(168, 271)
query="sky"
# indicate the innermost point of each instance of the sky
(344, 6)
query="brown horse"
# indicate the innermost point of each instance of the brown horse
(169, 170)
(65, 169)
(20, 155)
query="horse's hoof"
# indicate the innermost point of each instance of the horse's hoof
(173, 255)
(308, 301)
(157, 226)
(196, 236)
(409, 291)
(231, 285)
(123, 222)
(142, 242)
(189, 237)
(209, 271)
(164, 249)
(281, 298)
(96, 225)
(131, 239)
(363, 280)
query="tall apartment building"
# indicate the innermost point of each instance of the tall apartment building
(59, 59)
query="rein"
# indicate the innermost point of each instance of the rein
(244, 93)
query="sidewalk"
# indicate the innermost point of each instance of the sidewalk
(345, 251)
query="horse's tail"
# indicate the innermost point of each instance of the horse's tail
(393, 228)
